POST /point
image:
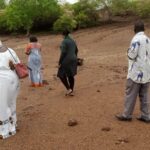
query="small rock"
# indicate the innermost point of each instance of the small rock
(98, 91)
(50, 89)
(72, 122)
(40, 104)
(106, 129)
(122, 141)
(100, 66)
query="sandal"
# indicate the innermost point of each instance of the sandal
(69, 92)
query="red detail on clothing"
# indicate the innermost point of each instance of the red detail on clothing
(36, 85)
(32, 45)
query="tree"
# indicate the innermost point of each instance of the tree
(21, 14)
(142, 8)
(82, 20)
(86, 10)
(121, 7)
(64, 22)
(2, 4)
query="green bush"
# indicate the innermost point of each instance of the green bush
(143, 8)
(3, 24)
(64, 22)
(85, 13)
(82, 20)
(121, 7)
(2, 4)
(23, 14)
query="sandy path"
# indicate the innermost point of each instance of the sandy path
(43, 113)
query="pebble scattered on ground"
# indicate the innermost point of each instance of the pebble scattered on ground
(72, 122)
(106, 129)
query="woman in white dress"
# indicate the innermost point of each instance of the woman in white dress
(9, 87)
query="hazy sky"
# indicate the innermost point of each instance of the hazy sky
(71, 1)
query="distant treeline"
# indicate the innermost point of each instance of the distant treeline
(35, 15)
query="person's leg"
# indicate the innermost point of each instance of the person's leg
(31, 78)
(132, 90)
(65, 82)
(144, 102)
(71, 82)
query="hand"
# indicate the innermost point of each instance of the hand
(27, 52)
(11, 65)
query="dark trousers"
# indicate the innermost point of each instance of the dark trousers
(68, 82)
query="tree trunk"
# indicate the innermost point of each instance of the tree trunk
(28, 32)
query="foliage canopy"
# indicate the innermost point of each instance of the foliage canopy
(26, 15)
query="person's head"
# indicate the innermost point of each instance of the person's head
(33, 39)
(66, 32)
(139, 26)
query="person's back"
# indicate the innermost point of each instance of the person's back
(68, 62)
(138, 77)
(139, 58)
(70, 49)
(33, 49)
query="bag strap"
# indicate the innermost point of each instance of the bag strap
(12, 55)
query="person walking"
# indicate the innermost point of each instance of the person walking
(33, 50)
(68, 63)
(9, 88)
(138, 77)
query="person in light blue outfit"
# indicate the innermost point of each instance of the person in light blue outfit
(34, 62)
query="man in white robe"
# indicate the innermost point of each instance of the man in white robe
(9, 87)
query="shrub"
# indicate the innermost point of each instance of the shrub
(86, 14)
(82, 20)
(3, 24)
(64, 22)
(143, 8)
(121, 7)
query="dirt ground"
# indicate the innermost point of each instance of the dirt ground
(43, 113)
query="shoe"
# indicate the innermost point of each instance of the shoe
(122, 118)
(143, 120)
(69, 92)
